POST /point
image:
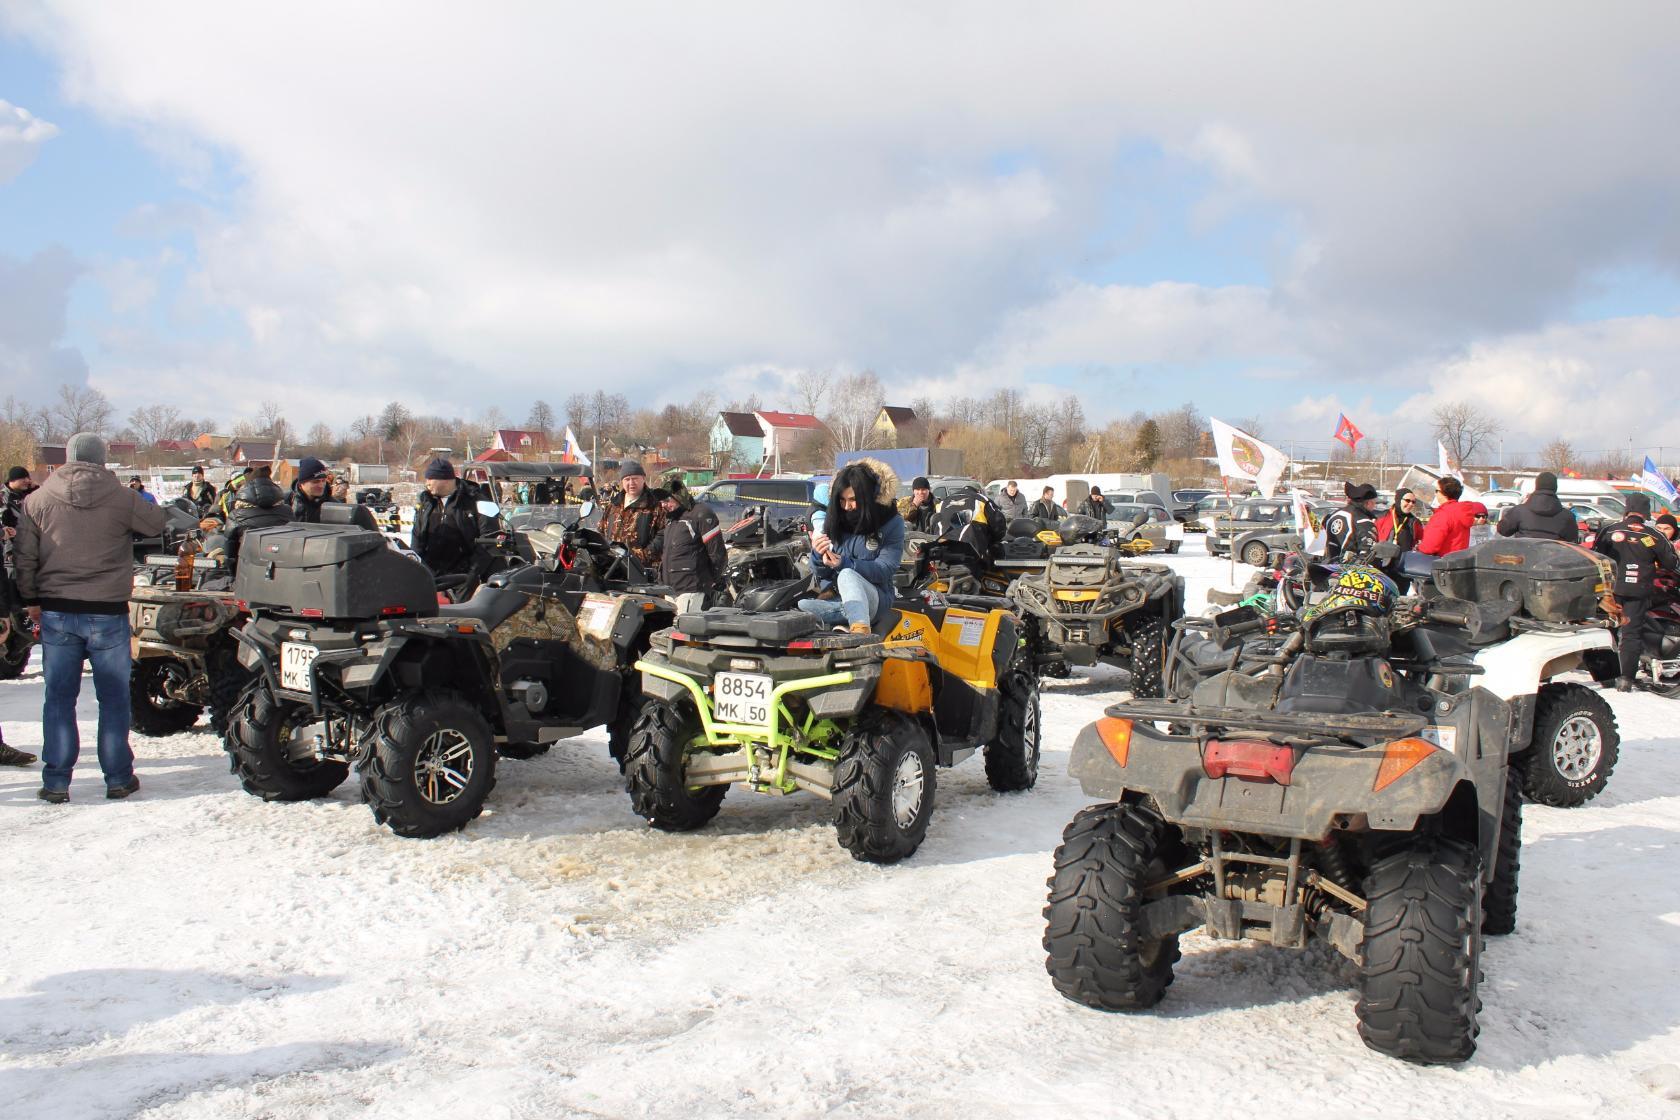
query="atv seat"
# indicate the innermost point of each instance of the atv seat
(1417, 565)
(490, 605)
(887, 622)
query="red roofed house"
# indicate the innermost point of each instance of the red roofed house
(787, 434)
(251, 451)
(516, 442)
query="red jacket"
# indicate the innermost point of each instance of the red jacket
(1449, 529)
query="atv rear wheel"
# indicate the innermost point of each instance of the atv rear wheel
(623, 724)
(1096, 955)
(1420, 957)
(1012, 757)
(1254, 554)
(260, 733)
(883, 787)
(152, 711)
(1574, 747)
(227, 680)
(1499, 899)
(1148, 635)
(14, 651)
(655, 765)
(431, 765)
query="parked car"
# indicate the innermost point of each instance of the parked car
(944, 485)
(1183, 504)
(1251, 513)
(785, 497)
(1134, 521)
(1206, 510)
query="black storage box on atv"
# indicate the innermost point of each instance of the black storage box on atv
(774, 626)
(1552, 581)
(328, 571)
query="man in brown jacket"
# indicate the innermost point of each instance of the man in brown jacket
(635, 518)
(75, 573)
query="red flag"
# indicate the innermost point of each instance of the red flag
(1347, 433)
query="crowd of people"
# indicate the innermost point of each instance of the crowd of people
(1637, 546)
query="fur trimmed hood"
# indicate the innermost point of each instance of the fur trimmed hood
(886, 493)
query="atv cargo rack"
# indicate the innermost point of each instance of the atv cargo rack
(1308, 725)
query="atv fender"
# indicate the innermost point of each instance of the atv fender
(1520, 666)
(1331, 787)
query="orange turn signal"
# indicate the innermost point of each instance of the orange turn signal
(1398, 758)
(1116, 735)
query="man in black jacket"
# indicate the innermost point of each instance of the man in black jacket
(1541, 516)
(1094, 505)
(200, 493)
(1638, 551)
(309, 494)
(446, 524)
(1047, 509)
(258, 504)
(1352, 530)
(694, 557)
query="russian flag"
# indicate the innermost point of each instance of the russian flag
(571, 452)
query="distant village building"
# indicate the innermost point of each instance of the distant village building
(897, 426)
(520, 443)
(737, 441)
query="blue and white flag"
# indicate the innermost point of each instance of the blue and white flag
(1653, 479)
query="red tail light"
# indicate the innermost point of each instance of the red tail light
(802, 643)
(387, 612)
(313, 612)
(1254, 760)
(678, 636)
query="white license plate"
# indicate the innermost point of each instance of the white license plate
(295, 663)
(741, 698)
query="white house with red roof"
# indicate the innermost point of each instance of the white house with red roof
(788, 433)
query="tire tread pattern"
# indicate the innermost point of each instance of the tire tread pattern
(1541, 781)
(653, 765)
(386, 767)
(863, 779)
(254, 755)
(1011, 761)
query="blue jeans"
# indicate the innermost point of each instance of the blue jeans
(66, 641)
(857, 602)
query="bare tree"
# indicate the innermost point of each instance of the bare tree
(79, 409)
(392, 418)
(155, 422)
(810, 386)
(322, 441)
(410, 436)
(17, 443)
(1558, 456)
(1181, 432)
(541, 418)
(1464, 429)
(856, 403)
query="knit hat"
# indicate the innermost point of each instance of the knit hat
(1545, 480)
(135, 478)
(631, 469)
(85, 447)
(1640, 504)
(311, 468)
(1668, 519)
(197, 470)
(1360, 492)
(920, 483)
(16, 473)
(440, 468)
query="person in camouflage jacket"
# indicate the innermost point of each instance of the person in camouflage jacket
(635, 518)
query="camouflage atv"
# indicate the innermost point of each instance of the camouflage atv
(1090, 604)
(770, 703)
(1358, 787)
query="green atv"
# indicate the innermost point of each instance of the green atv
(771, 703)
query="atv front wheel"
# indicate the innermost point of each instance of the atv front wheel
(152, 711)
(1420, 957)
(1012, 757)
(1499, 900)
(1574, 747)
(432, 764)
(1254, 554)
(1148, 635)
(883, 787)
(259, 741)
(1096, 954)
(655, 764)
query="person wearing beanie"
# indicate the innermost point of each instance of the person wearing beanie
(75, 573)
(1638, 552)
(633, 518)
(1667, 525)
(309, 494)
(1351, 530)
(18, 487)
(224, 500)
(693, 557)
(1541, 516)
(200, 493)
(919, 509)
(447, 524)
(139, 487)
(1094, 505)
(1449, 529)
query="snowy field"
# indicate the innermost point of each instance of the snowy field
(194, 952)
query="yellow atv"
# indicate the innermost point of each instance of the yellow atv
(773, 703)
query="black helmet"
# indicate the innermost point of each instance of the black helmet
(260, 493)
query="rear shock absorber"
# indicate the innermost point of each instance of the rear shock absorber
(1333, 864)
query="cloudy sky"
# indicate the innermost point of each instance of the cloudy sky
(1276, 210)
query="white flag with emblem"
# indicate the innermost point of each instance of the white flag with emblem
(1247, 459)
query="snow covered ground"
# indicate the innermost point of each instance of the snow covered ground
(194, 952)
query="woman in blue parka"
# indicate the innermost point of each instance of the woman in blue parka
(855, 554)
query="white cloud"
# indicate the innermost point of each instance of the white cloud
(541, 197)
(21, 137)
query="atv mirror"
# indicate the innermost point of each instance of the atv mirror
(489, 509)
(585, 510)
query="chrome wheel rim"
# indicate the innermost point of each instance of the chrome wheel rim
(1577, 748)
(1029, 736)
(908, 781)
(443, 766)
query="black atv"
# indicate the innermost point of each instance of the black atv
(767, 568)
(360, 664)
